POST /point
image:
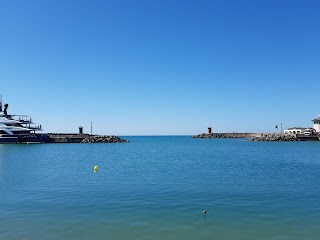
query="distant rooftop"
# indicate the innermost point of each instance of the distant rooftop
(296, 128)
(317, 119)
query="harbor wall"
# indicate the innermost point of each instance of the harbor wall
(302, 137)
(83, 138)
(67, 138)
(276, 136)
(228, 135)
(87, 138)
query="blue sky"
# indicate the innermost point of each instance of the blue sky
(162, 67)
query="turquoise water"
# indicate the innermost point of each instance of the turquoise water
(157, 188)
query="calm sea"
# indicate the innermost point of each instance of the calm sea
(157, 188)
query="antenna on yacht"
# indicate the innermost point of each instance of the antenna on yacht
(0, 102)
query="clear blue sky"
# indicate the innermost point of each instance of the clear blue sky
(161, 67)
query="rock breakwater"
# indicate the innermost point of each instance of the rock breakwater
(226, 135)
(275, 138)
(262, 137)
(103, 139)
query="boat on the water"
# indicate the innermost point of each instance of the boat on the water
(19, 128)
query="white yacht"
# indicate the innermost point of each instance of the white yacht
(19, 128)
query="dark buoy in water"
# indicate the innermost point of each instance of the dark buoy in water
(204, 211)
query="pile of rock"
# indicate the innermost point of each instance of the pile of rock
(103, 139)
(275, 138)
(226, 135)
(205, 135)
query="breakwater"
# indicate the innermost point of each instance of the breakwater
(227, 135)
(275, 138)
(284, 138)
(103, 139)
(83, 138)
(261, 137)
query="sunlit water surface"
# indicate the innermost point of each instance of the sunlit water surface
(157, 188)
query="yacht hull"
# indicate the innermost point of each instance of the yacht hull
(34, 138)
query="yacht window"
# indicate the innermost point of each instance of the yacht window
(20, 132)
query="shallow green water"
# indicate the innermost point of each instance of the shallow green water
(157, 188)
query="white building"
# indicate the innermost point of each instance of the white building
(316, 124)
(295, 130)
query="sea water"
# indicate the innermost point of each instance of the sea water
(158, 187)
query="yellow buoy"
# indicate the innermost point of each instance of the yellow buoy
(95, 168)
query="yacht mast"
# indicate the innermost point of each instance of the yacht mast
(0, 102)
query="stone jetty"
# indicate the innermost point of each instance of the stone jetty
(261, 137)
(275, 138)
(103, 139)
(226, 135)
(83, 138)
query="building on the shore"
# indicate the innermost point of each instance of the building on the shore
(316, 124)
(300, 131)
(295, 130)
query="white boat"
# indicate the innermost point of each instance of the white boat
(19, 128)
